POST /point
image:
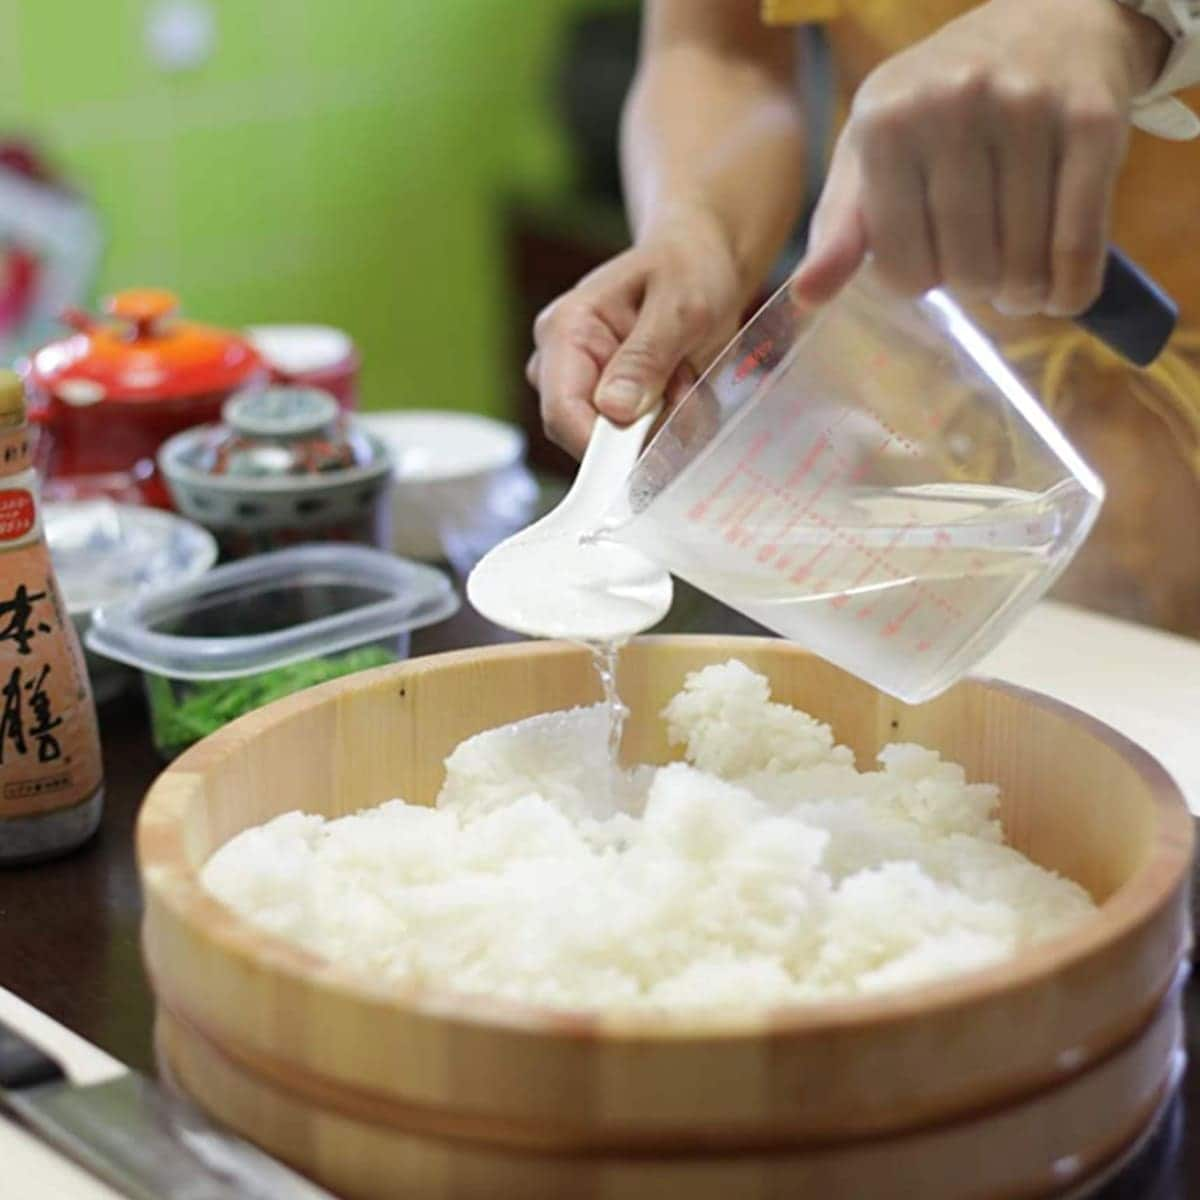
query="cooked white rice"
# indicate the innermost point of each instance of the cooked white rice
(763, 870)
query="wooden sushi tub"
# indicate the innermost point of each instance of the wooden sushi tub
(1020, 1080)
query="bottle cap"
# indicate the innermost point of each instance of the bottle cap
(12, 398)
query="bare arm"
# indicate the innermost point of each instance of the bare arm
(713, 121)
(712, 151)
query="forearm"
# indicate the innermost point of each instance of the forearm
(713, 125)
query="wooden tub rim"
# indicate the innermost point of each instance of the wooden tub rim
(165, 870)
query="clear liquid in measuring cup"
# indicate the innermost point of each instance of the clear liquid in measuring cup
(889, 583)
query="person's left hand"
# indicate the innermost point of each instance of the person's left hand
(984, 158)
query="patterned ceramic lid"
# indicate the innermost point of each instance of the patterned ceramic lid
(283, 431)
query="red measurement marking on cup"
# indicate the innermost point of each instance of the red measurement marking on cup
(894, 435)
(952, 611)
(860, 472)
(843, 598)
(732, 517)
(805, 569)
(875, 562)
(741, 534)
(941, 542)
(898, 622)
(804, 467)
(793, 508)
(699, 510)
(797, 511)
(753, 360)
(789, 503)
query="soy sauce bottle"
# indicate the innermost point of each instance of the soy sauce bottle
(51, 773)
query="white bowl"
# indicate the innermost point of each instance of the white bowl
(459, 479)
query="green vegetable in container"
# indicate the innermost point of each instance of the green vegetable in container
(209, 704)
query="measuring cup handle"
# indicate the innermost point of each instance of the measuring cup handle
(1133, 315)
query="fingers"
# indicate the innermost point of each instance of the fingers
(895, 208)
(671, 323)
(961, 193)
(573, 347)
(621, 340)
(1094, 143)
(1026, 159)
(838, 237)
(979, 160)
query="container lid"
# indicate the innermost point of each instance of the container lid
(298, 604)
(285, 413)
(104, 552)
(144, 355)
(434, 445)
(286, 437)
(302, 349)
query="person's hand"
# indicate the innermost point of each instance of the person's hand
(984, 158)
(633, 330)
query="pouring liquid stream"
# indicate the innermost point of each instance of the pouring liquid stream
(604, 658)
(604, 661)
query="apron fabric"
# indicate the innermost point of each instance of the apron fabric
(1140, 430)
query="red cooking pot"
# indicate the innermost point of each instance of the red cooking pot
(107, 397)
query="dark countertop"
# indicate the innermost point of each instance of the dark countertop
(69, 929)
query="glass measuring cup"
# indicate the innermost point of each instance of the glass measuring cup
(870, 480)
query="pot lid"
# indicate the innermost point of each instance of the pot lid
(276, 433)
(302, 349)
(145, 354)
(281, 432)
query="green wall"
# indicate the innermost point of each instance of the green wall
(337, 161)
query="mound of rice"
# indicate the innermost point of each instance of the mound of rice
(765, 869)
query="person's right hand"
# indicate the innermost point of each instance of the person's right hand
(636, 329)
(985, 158)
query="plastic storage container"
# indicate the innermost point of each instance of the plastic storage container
(254, 631)
(105, 552)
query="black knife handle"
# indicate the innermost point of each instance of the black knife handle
(1133, 316)
(22, 1064)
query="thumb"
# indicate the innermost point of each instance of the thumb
(637, 374)
(837, 241)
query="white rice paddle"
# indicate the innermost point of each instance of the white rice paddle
(557, 579)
